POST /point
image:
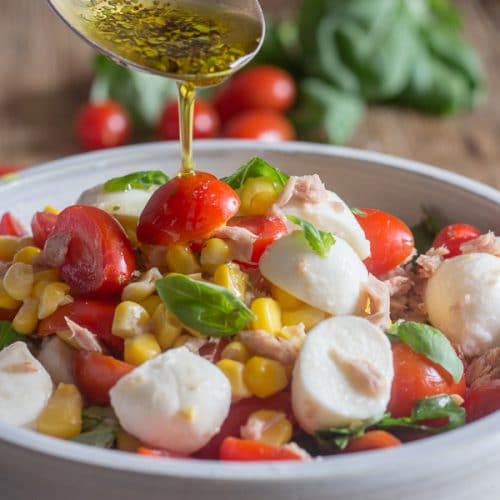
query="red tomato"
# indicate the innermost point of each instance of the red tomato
(42, 225)
(10, 226)
(391, 240)
(417, 377)
(95, 374)
(372, 440)
(100, 259)
(260, 125)
(8, 168)
(186, 208)
(206, 122)
(267, 228)
(157, 453)
(453, 236)
(103, 125)
(246, 450)
(259, 87)
(483, 400)
(95, 315)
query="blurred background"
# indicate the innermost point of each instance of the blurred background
(381, 103)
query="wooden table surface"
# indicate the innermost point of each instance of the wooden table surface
(45, 72)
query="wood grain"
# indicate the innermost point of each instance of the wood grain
(45, 71)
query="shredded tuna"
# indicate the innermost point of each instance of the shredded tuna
(486, 243)
(429, 262)
(4, 267)
(209, 349)
(82, 337)
(55, 249)
(194, 344)
(306, 189)
(258, 286)
(240, 241)
(378, 291)
(483, 369)
(254, 428)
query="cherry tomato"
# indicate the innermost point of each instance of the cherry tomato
(483, 400)
(103, 125)
(259, 87)
(206, 123)
(42, 226)
(8, 168)
(247, 450)
(186, 208)
(417, 377)
(267, 228)
(10, 226)
(100, 259)
(391, 240)
(261, 125)
(95, 315)
(95, 374)
(372, 440)
(453, 236)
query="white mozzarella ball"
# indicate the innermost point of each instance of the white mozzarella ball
(334, 216)
(176, 401)
(335, 283)
(462, 299)
(343, 374)
(25, 386)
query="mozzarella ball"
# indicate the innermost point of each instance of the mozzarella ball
(462, 299)
(176, 401)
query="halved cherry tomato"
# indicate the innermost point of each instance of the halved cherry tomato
(391, 240)
(372, 440)
(260, 125)
(417, 377)
(453, 236)
(10, 226)
(186, 208)
(95, 315)
(247, 450)
(258, 87)
(99, 261)
(267, 228)
(157, 453)
(8, 168)
(42, 225)
(95, 374)
(483, 400)
(206, 123)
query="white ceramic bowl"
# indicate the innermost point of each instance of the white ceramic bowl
(457, 465)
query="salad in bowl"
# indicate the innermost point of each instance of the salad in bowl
(251, 317)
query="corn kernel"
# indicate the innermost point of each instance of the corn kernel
(237, 351)
(264, 377)
(9, 245)
(284, 299)
(130, 319)
(233, 370)
(257, 195)
(38, 288)
(151, 303)
(180, 259)
(166, 327)
(141, 348)
(141, 289)
(181, 340)
(306, 314)
(62, 417)
(51, 210)
(26, 254)
(230, 276)
(126, 442)
(18, 280)
(52, 296)
(276, 428)
(268, 314)
(49, 275)
(129, 224)
(214, 253)
(26, 319)
(6, 301)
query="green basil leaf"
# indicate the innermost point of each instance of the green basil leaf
(319, 241)
(145, 180)
(209, 309)
(426, 230)
(8, 335)
(431, 343)
(257, 167)
(102, 438)
(99, 427)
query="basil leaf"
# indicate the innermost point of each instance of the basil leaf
(430, 342)
(8, 335)
(426, 230)
(145, 180)
(102, 438)
(319, 241)
(209, 309)
(99, 427)
(257, 167)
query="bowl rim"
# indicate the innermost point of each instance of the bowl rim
(441, 447)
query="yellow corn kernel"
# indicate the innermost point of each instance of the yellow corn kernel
(306, 314)
(62, 417)
(257, 196)
(129, 224)
(49, 275)
(180, 259)
(38, 289)
(237, 351)
(18, 280)
(233, 370)
(9, 245)
(166, 327)
(26, 319)
(51, 210)
(6, 301)
(264, 377)
(126, 442)
(214, 253)
(230, 276)
(268, 314)
(52, 296)
(26, 254)
(284, 299)
(141, 348)
(141, 289)
(151, 303)
(276, 428)
(130, 319)
(181, 340)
